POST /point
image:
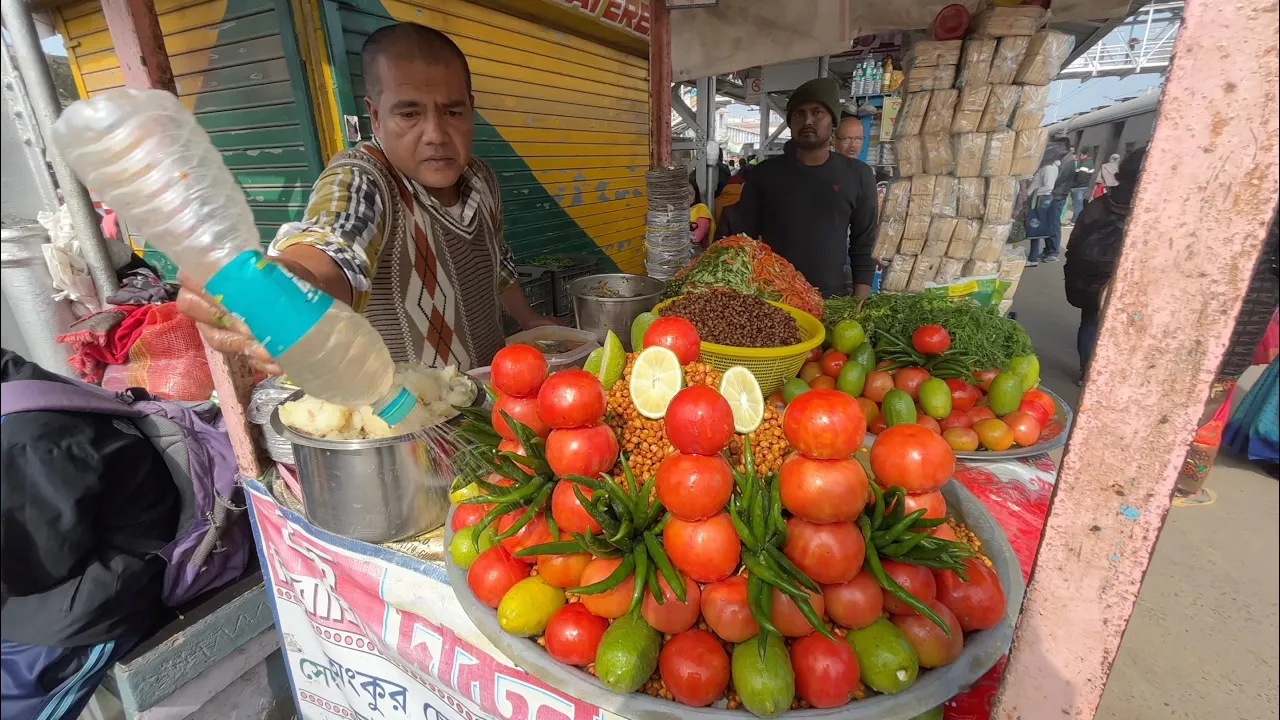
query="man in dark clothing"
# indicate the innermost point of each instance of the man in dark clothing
(812, 206)
(1059, 198)
(87, 501)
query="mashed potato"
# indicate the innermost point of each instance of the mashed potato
(438, 390)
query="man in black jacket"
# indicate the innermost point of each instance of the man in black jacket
(86, 500)
(812, 206)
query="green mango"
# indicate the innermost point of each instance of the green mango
(1005, 393)
(1027, 368)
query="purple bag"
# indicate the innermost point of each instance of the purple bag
(213, 541)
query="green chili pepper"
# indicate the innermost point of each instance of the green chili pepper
(757, 591)
(642, 574)
(657, 529)
(654, 589)
(790, 570)
(877, 512)
(558, 547)
(516, 526)
(896, 531)
(488, 519)
(748, 458)
(888, 583)
(777, 580)
(615, 578)
(903, 546)
(674, 579)
(811, 615)
(744, 532)
(779, 523)
(624, 531)
(619, 498)
(927, 523)
(894, 506)
(528, 490)
(551, 525)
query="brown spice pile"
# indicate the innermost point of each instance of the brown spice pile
(725, 317)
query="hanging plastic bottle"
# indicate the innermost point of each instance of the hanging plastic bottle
(145, 155)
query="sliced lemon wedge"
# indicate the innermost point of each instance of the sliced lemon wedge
(656, 377)
(740, 388)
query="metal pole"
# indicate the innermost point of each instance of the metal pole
(707, 120)
(44, 100)
(659, 85)
(139, 43)
(1208, 191)
(28, 287)
(824, 66)
(764, 124)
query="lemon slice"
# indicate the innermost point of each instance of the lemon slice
(608, 362)
(740, 388)
(656, 377)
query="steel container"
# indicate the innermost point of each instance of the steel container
(599, 315)
(376, 490)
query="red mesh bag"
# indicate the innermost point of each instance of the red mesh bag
(167, 358)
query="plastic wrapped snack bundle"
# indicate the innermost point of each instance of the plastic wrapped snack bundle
(924, 271)
(999, 110)
(1028, 149)
(1045, 54)
(949, 270)
(1009, 54)
(1032, 100)
(969, 151)
(896, 199)
(1002, 192)
(922, 187)
(970, 104)
(914, 233)
(939, 158)
(910, 119)
(980, 268)
(942, 108)
(998, 159)
(931, 78)
(990, 241)
(975, 67)
(1000, 21)
(898, 273)
(971, 197)
(887, 236)
(1012, 261)
(939, 236)
(931, 53)
(910, 156)
(963, 238)
(945, 196)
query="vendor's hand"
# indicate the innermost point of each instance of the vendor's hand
(221, 330)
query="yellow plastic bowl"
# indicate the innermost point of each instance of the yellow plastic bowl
(771, 366)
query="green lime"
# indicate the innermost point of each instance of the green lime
(638, 326)
(864, 355)
(792, 389)
(1005, 393)
(898, 408)
(464, 550)
(851, 378)
(847, 335)
(887, 660)
(1027, 368)
(935, 398)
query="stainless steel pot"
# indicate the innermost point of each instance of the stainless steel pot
(373, 490)
(630, 296)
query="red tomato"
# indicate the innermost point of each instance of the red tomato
(515, 447)
(814, 356)
(820, 491)
(824, 424)
(694, 487)
(535, 532)
(957, 419)
(931, 339)
(493, 573)
(563, 571)
(961, 439)
(725, 608)
(567, 511)
(699, 421)
(963, 395)
(1035, 409)
(585, 451)
(706, 550)
(573, 635)
(981, 412)
(1026, 430)
(672, 616)
(915, 579)
(1043, 398)
(994, 434)
(571, 398)
(675, 334)
(855, 604)
(788, 618)
(979, 604)
(877, 425)
(926, 421)
(870, 411)
(775, 399)
(878, 383)
(934, 503)
(909, 379)
(822, 382)
(983, 378)
(829, 553)
(610, 603)
(518, 370)
(912, 456)
(809, 371)
(467, 515)
(884, 364)
(694, 667)
(522, 410)
(931, 643)
(826, 670)
(832, 361)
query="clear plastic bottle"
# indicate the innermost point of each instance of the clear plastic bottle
(145, 155)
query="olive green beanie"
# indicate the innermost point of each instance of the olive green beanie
(823, 91)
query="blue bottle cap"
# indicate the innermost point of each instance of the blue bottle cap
(394, 410)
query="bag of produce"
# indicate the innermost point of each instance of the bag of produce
(1044, 56)
(896, 199)
(1001, 21)
(975, 67)
(924, 271)
(984, 291)
(969, 150)
(939, 159)
(1032, 100)
(970, 104)
(887, 237)
(910, 159)
(971, 197)
(1009, 54)
(991, 240)
(910, 120)
(949, 270)
(938, 236)
(898, 273)
(998, 158)
(945, 195)
(931, 53)
(963, 238)
(1028, 149)
(747, 266)
(999, 110)
(942, 108)
(1002, 193)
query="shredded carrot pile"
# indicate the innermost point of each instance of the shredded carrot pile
(749, 266)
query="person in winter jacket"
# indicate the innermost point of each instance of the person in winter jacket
(86, 503)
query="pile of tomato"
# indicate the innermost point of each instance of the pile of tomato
(719, 560)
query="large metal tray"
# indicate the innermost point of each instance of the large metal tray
(1052, 436)
(981, 649)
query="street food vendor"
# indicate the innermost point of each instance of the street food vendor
(812, 206)
(406, 228)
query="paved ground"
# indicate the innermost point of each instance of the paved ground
(1202, 642)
